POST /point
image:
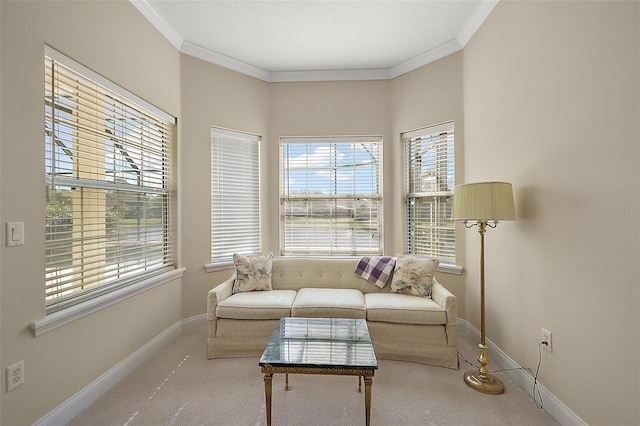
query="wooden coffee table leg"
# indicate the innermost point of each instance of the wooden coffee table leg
(268, 380)
(368, 381)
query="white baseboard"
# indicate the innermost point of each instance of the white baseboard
(69, 409)
(523, 378)
(66, 411)
(194, 322)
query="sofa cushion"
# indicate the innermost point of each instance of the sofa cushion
(252, 272)
(329, 303)
(403, 309)
(413, 275)
(273, 304)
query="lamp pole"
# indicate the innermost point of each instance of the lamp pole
(480, 379)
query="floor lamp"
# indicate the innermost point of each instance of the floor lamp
(483, 205)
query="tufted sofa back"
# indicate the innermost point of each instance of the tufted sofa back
(293, 273)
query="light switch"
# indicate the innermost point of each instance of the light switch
(15, 234)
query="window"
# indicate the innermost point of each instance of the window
(330, 198)
(109, 203)
(235, 195)
(430, 179)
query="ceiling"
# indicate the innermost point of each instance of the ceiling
(311, 40)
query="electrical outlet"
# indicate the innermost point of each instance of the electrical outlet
(546, 340)
(15, 375)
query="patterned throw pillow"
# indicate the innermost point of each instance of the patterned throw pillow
(413, 275)
(253, 273)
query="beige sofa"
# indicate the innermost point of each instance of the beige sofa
(402, 327)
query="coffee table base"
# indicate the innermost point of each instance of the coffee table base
(268, 371)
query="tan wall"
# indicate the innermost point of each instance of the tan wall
(325, 109)
(429, 95)
(211, 96)
(545, 96)
(113, 39)
(551, 92)
(215, 96)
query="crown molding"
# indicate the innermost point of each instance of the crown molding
(426, 58)
(328, 75)
(216, 58)
(452, 46)
(158, 22)
(439, 52)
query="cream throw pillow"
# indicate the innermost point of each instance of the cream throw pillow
(253, 273)
(413, 275)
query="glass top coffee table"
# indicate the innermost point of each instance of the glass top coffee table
(333, 346)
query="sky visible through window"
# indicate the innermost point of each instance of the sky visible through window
(331, 168)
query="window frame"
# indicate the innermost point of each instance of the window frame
(287, 196)
(150, 156)
(437, 137)
(234, 239)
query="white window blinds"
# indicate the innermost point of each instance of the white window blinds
(330, 198)
(109, 205)
(430, 180)
(235, 195)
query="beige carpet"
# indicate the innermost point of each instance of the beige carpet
(180, 386)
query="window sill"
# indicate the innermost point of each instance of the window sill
(450, 269)
(72, 313)
(218, 267)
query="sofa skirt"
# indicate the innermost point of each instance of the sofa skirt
(425, 344)
(238, 338)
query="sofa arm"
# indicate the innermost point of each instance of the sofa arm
(218, 294)
(447, 300)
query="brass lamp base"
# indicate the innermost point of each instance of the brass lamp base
(483, 383)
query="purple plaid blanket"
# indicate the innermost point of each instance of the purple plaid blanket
(376, 270)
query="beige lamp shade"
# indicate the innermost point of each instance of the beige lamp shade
(485, 201)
